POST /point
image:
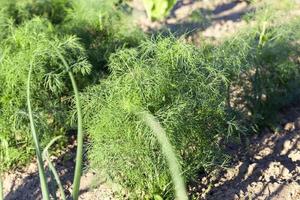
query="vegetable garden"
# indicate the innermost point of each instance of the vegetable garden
(152, 109)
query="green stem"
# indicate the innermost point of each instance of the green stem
(262, 35)
(78, 166)
(170, 155)
(52, 168)
(42, 175)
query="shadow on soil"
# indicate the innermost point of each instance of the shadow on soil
(200, 19)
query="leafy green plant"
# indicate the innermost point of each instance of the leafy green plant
(157, 9)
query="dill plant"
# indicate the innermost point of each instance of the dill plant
(23, 10)
(42, 174)
(104, 27)
(104, 30)
(262, 65)
(187, 89)
(78, 168)
(49, 84)
(172, 81)
(79, 152)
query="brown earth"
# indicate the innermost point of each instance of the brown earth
(24, 184)
(268, 170)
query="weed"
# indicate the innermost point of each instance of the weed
(263, 67)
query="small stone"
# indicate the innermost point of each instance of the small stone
(250, 170)
(287, 145)
(289, 126)
(258, 157)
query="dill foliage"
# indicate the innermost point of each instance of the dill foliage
(85, 33)
(171, 80)
(34, 41)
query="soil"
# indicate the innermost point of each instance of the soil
(269, 169)
(24, 184)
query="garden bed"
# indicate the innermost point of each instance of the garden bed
(209, 97)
